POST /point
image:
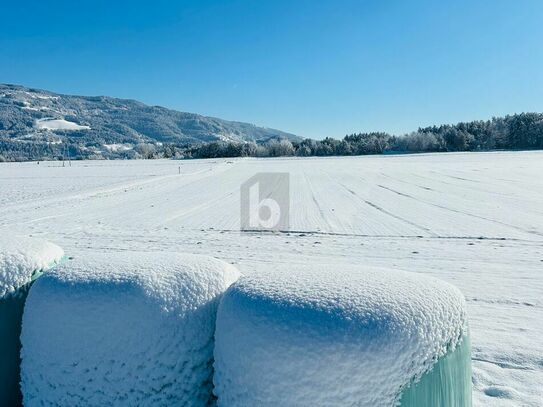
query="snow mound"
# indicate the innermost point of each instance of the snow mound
(21, 258)
(59, 124)
(132, 329)
(332, 338)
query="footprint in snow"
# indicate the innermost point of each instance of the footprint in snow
(501, 392)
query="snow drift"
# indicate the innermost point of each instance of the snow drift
(123, 329)
(21, 260)
(333, 338)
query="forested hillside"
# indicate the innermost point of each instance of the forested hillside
(37, 124)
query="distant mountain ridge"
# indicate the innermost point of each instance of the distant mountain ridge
(103, 123)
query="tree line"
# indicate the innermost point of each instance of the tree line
(515, 132)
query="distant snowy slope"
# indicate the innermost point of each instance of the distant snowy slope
(110, 120)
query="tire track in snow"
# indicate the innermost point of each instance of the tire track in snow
(100, 194)
(503, 365)
(518, 228)
(386, 212)
(409, 183)
(197, 208)
(316, 202)
(459, 185)
(374, 236)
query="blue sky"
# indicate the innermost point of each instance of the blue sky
(315, 68)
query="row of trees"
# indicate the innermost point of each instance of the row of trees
(516, 132)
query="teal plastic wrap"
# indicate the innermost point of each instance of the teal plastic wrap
(447, 384)
(11, 314)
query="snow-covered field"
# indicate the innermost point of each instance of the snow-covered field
(473, 219)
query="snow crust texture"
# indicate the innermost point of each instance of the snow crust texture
(21, 257)
(330, 337)
(131, 329)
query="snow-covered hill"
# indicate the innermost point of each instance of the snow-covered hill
(32, 115)
(472, 219)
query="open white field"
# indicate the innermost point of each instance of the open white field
(474, 219)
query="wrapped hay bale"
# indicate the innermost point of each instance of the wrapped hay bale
(22, 260)
(133, 329)
(360, 337)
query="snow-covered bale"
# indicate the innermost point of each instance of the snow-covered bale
(21, 261)
(333, 338)
(132, 329)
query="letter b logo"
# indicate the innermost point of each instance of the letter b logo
(265, 202)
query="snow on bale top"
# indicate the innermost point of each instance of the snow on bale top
(21, 258)
(123, 328)
(332, 337)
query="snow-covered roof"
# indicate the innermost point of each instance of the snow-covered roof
(21, 258)
(332, 336)
(123, 329)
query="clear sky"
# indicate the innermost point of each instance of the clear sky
(314, 68)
